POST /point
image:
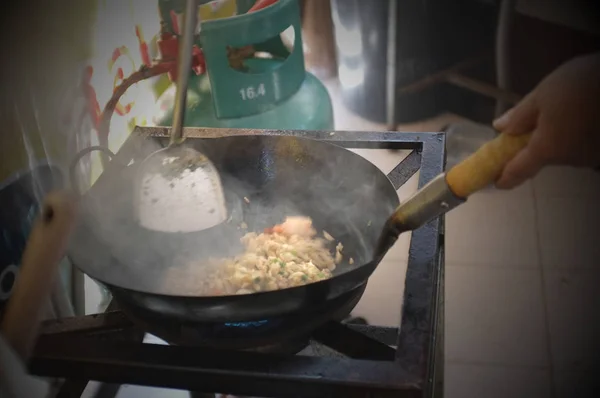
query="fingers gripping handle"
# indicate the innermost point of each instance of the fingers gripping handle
(484, 166)
(447, 191)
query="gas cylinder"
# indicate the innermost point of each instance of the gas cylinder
(252, 79)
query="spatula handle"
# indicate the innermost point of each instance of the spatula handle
(45, 248)
(484, 166)
(184, 65)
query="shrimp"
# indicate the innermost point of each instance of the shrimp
(301, 226)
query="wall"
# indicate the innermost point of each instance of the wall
(576, 14)
(547, 33)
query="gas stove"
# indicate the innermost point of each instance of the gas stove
(312, 355)
(281, 335)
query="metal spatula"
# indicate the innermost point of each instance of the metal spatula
(181, 189)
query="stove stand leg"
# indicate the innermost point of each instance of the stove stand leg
(391, 94)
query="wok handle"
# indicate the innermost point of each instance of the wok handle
(485, 165)
(451, 189)
(45, 248)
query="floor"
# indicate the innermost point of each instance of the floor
(522, 302)
(522, 292)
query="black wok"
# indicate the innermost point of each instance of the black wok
(343, 193)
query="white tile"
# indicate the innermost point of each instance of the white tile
(495, 315)
(578, 384)
(381, 303)
(151, 339)
(573, 305)
(494, 228)
(386, 160)
(525, 189)
(400, 251)
(562, 181)
(568, 230)
(128, 391)
(91, 389)
(93, 296)
(409, 187)
(479, 381)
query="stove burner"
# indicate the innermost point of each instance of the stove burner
(241, 328)
(246, 324)
(287, 335)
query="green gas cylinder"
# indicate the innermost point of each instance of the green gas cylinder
(272, 91)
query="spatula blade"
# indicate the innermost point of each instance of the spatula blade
(183, 194)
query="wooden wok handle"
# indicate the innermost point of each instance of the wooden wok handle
(45, 248)
(484, 166)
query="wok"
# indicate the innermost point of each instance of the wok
(280, 176)
(343, 193)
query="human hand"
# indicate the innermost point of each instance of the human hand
(563, 116)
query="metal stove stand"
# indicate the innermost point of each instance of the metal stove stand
(344, 360)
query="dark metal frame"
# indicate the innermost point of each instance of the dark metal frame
(108, 348)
